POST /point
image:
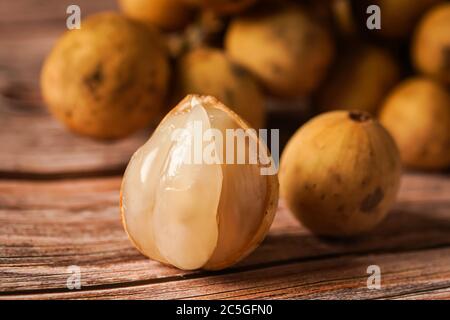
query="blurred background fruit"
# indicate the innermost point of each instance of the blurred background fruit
(431, 46)
(286, 49)
(360, 79)
(107, 79)
(209, 71)
(417, 114)
(166, 14)
(343, 17)
(277, 64)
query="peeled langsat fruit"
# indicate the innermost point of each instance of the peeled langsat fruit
(197, 215)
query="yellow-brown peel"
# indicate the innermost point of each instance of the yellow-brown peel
(417, 114)
(340, 173)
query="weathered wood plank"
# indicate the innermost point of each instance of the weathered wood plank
(335, 278)
(437, 294)
(34, 144)
(47, 226)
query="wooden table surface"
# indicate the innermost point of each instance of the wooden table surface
(59, 198)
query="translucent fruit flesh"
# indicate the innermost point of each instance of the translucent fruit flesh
(193, 215)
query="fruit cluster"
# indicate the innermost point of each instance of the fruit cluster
(121, 71)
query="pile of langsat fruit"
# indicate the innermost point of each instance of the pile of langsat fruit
(339, 173)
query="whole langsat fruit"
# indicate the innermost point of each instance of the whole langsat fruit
(360, 79)
(287, 49)
(195, 214)
(209, 71)
(340, 173)
(417, 114)
(107, 79)
(431, 43)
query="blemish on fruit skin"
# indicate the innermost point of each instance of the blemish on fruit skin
(93, 80)
(337, 178)
(365, 182)
(371, 201)
(276, 69)
(423, 152)
(237, 70)
(309, 186)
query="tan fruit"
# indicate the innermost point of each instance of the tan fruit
(197, 215)
(398, 17)
(361, 78)
(340, 173)
(417, 114)
(208, 71)
(431, 45)
(107, 79)
(222, 6)
(287, 50)
(165, 14)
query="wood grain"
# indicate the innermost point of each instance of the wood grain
(46, 226)
(35, 145)
(344, 277)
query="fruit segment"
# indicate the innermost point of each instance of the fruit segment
(187, 197)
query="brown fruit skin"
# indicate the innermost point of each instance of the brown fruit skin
(417, 114)
(398, 17)
(107, 79)
(361, 78)
(340, 173)
(431, 45)
(225, 7)
(165, 14)
(287, 50)
(208, 71)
